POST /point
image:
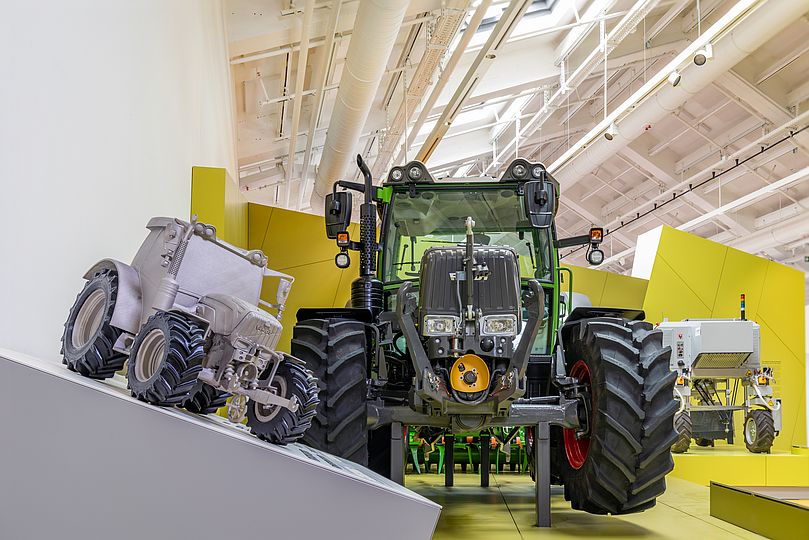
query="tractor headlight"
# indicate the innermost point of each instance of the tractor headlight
(440, 325)
(498, 325)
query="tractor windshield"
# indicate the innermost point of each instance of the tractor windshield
(436, 216)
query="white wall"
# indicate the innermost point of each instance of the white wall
(104, 107)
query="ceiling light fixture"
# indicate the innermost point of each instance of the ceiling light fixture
(611, 132)
(703, 55)
(675, 78)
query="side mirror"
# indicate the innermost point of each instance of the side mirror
(338, 213)
(540, 203)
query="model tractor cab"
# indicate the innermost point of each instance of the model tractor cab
(455, 322)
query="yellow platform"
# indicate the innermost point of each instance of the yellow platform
(775, 512)
(736, 466)
(505, 510)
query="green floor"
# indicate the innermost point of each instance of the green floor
(506, 511)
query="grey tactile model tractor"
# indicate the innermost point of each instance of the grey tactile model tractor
(462, 327)
(185, 313)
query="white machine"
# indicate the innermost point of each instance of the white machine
(717, 360)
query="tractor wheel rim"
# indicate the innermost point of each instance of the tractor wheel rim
(750, 430)
(89, 318)
(150, 355)
(577, 449)
(265, 413)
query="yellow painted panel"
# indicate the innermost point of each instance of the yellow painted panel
(783, 308)
(739, 469)
(742, 273)
(586, 281)
(313, 283)
(235, 214)
(208, 196)
(697, 261)
(216, 200)
(669, 297)
(790, 470)
(624, 291)
(789, 386)
(258, 221)
(296, 238)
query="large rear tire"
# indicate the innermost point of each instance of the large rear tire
(88, 338)
(280, 425)
(166, 358)
(335, 351)
(619, 467)
(684, 428)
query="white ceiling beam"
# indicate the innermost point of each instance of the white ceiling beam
(300, 78)
(781, 63)
(798, 95)
(576, 35)
(666, 18)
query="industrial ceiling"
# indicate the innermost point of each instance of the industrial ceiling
(468, 85)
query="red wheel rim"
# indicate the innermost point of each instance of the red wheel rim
(576, 449)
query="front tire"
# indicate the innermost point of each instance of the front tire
(759, 431)
(205, 399)
(88, 340)
(166, 358)
(684, 429)
(335, 351)
(620, 466)
(277, 424)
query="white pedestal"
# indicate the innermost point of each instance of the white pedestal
(81, 459)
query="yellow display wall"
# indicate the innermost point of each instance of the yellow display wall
(296, 244)
(606, 288)
(216, 200)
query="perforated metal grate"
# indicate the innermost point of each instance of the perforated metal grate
(720, 360)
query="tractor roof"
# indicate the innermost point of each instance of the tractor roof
(519, 170)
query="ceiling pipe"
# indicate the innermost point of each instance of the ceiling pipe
(737, 34)
(375, 31)
(777, 235)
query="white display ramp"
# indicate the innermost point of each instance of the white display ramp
(81, 459)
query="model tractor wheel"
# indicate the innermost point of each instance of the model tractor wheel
(88, 338)
(277, 424)
(683, 427)
(205, 399)
(617, 461)
(334, 350)
(759, 431)
(166, 358)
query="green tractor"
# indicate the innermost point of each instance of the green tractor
(457, 321)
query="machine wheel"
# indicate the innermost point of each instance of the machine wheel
(205, 399)
(166, 359)
(335, 351)
(683, 426)
(88, 338)
(277, 424)
(620, 465)
(703, 442)
(759, 431)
